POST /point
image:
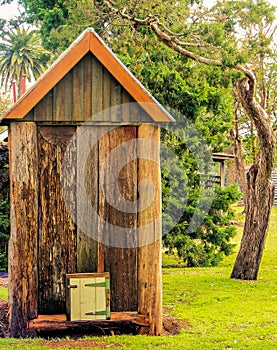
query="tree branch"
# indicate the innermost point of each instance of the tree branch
(176, 45)
(166, 35)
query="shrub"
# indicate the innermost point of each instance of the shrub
(207, 245)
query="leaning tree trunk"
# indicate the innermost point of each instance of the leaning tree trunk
(259, 189)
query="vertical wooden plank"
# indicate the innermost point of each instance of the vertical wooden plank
(88, 298)
(100, 257)
(78, 92)
(57, 232)
(30, 116)
(116, 110)
(120, 259)
(106, 95)
(97, 90)
(126, 107)
(75, 299)
(62, 99)
(43, 111)
(87, 86)
(24, 226)
(132, 111)
(149, 230)
(103, 149)
(87, 198)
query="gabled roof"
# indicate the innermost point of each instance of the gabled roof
(88, 41)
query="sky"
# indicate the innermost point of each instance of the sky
(9, 11)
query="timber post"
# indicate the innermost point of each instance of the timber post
(23, 271)
(149, 220)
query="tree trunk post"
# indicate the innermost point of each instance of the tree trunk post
(23, 274)
(149, 236)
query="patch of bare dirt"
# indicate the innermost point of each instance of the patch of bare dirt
(4, 282)
(172, 326)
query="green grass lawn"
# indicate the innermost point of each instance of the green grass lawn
(3, 293)
(221, 313)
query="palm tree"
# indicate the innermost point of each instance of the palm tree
(21, 54)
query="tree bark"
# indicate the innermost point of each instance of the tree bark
(119, 248)
(260, 189)
(23, 274)
(149, 234)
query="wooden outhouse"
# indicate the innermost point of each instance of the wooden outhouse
(63, 219)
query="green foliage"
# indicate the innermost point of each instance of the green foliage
(207, 245)
(250, 148)
(185, 194)
(2, 24)
(49, 14)
(60, 21)
(5, 103)
(21, 54)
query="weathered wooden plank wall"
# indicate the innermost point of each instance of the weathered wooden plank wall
(44, 110)
(23, 255)
(87, 199)
(110, 176)
(62, 95)
(87, 93)
(118, 260)
(97, 89)
(58, 251)
(78, 81)
(57, 231)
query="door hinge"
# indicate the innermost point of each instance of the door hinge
(99, 284)
(96, 312)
